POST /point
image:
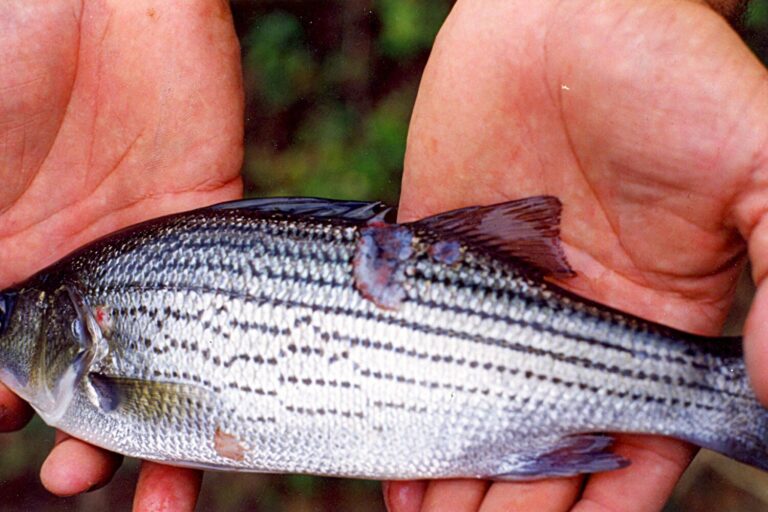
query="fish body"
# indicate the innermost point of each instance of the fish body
(316, 337)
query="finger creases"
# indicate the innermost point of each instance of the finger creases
(74, 466)
(165, 488)
(756, 327)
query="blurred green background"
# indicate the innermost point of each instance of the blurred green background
(330, 86)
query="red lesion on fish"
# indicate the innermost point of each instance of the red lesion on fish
(104, 319)
(228, 446)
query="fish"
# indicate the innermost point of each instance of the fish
(313, 336)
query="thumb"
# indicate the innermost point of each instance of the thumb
(756, 327)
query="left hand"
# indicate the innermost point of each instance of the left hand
(110, 113)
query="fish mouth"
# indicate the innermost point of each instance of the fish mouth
(7, 303)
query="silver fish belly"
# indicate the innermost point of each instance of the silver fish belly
(276, 340)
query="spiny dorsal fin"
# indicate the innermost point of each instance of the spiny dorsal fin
(526, 229)
(312, 207)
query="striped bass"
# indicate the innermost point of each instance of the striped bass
(315, 336)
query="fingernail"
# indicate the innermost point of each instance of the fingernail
(385, 492)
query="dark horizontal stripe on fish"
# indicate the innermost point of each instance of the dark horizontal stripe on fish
(276, 242)
(320, 411)
(428, 329)
(400, 406)
(581, 362)
(612, 317)
(521, 323)
(306, 381)
(488, 365)
(283, 275)
(637, 397)
(533, 301)
(191, 378)
(307, 230)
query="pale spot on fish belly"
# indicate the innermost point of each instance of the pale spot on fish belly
(228, 446)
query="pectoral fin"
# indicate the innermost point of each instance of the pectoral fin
(149, 400)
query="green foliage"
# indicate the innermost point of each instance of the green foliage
(408, 26)
(755, 30)
(757, 15)
(330, 93)
(276, 55)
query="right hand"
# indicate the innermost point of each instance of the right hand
(649, 119)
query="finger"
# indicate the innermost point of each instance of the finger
(163, 488)
(454, 495)
(756, 342)
(554, 495)
(14, 412)
(73, 467)
(406, 496)
(644, 486)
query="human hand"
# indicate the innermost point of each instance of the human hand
(650, 121)
(110, 113)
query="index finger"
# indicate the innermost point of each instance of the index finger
(163, 487)
(14, 412)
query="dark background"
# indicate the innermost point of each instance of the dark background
(330, 86)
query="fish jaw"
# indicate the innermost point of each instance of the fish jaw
(23, 312)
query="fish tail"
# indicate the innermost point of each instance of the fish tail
(748, 444)
(737, 426)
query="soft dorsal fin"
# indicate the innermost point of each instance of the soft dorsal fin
(312, 207)
(526, 229)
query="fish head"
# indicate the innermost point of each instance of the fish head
(21, 318)
(46, 345)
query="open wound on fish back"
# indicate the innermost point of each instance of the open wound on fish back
(526, 230)
(228, 445)
(379, 263)
(571, 455)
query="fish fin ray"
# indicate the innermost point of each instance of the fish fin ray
(572, 455)
(143, 397)
(312, 207)
(526, 230)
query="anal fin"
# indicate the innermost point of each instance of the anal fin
(572, 455)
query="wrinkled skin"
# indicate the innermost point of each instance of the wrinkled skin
(110, 113)
(648, 119)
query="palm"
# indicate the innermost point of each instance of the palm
(648, 122)
(110, 114)
(101, 134)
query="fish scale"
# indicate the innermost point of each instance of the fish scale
(244, 339)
